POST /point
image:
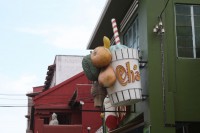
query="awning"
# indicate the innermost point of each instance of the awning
(134, 120)
(32, 94)
(81, 94)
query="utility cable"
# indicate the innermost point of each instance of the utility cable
(164, 8)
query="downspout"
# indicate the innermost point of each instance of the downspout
(163, 64)
(159, 29)
(162, 51)
(163, 76)
(163, 69)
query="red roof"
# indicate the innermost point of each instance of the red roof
(60, 95)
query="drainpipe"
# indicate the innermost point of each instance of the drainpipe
(163, 69)
(163, 76)
(159, 29)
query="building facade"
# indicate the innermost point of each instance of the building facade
(36, 90)
(167, 37)
(73, 104)
(64, 67)
(67, 93)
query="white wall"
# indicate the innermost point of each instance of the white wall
(66, 67)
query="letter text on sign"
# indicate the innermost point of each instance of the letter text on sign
(127, 75)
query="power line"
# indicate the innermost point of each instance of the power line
(164, 8)
(6, 94)
(50, 98)
(12, 99)
(9, 94)
(48, 104)
(8, 106)
(80, 110)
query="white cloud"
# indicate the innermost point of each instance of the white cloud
(33, 31)
(76, 30)
(70, 37)
(63, 37)
(21, 85)
(13, 91)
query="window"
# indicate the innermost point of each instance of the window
(46, 120)
(188, 30)
(63, 118)
(187, 127)
(131, 37)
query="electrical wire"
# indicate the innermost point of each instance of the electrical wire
(44, 99)
(54, 105)
(164, 8)
(12, 99)
(80, 110)
(11, 106)
(6, 94)
(10, 94)
(50, 97)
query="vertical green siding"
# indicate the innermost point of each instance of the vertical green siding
(182, 76)
(187, 97)
(187, 77)
(155, 80)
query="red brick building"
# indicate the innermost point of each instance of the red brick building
(73, 103)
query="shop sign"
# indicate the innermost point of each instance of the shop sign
(127, 88)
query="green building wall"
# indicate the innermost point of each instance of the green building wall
(179, 100)
(182, 76)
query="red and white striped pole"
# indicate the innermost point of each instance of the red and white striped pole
(115, 31)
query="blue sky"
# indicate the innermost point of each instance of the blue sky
(32, 32)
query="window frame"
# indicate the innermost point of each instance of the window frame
(129, 27)
(192, 15)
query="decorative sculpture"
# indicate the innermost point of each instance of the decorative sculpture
(54, 120)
